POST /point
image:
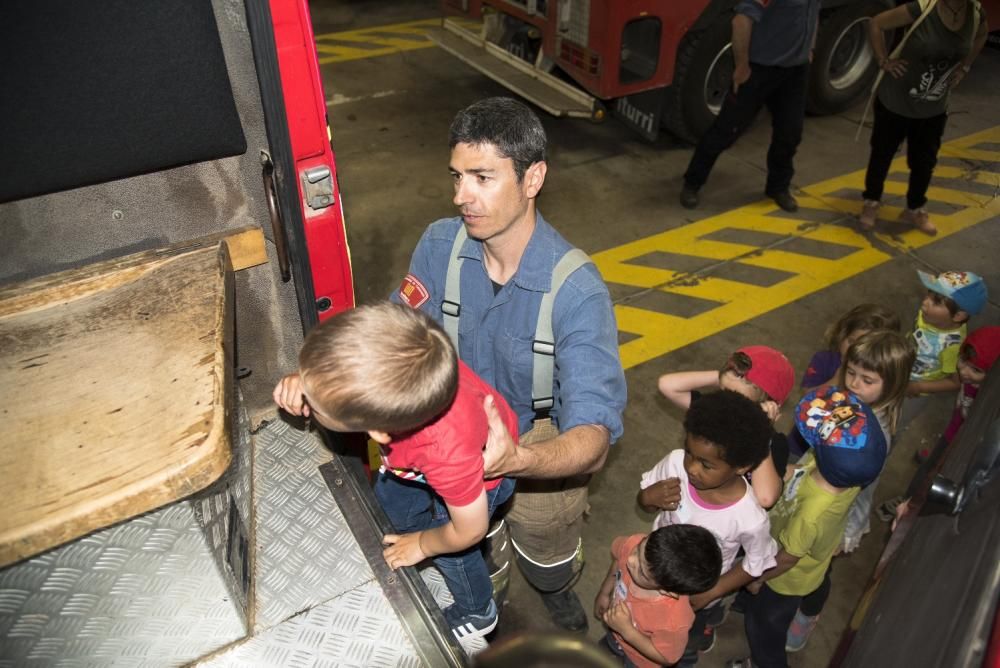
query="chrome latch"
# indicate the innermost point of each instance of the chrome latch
(318, 186)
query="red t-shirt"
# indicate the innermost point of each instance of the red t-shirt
(663, 619)
(448, 452)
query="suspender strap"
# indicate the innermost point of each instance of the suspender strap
(543, 347)
(451, 306)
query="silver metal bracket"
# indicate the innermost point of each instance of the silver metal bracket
(317, 183)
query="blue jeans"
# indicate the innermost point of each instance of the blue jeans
(413, 506)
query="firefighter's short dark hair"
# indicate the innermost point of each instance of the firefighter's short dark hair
(382, 367)
(506, 124)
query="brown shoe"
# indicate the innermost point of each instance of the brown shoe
(919, 219)
(869, 214)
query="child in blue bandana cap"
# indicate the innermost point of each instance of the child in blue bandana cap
(848, 452)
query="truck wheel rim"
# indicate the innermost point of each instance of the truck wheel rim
(718, 78)
(850, 56)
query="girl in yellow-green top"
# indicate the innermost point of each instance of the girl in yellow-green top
(848, 451)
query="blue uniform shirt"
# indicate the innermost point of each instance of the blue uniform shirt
(783, 30)
(496, 332)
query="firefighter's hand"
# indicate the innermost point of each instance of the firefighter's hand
(618, 617)
(664, 494)
(500, 454)
(403, 549)
(740, 75)
(288, 395)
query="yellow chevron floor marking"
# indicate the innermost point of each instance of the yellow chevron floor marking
(338, 47)
(654, 333)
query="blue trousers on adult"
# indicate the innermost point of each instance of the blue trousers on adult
(413, 506)
(783, 91)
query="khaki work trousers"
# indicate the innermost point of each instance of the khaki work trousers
(545, 521)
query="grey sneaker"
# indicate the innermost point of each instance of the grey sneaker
(466, 627)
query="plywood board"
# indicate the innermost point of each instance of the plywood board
(114, 382)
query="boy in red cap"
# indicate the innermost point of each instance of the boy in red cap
(975, 359)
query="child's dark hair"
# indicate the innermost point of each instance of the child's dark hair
(734, 424)
(382, 366)
(684, 558)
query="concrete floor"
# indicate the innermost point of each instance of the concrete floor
(606, 187)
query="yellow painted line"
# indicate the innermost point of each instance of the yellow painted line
(718, 289)
(339, 47)
(657, 334)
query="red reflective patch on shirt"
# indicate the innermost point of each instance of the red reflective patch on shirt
(764, 3)
(413, 291)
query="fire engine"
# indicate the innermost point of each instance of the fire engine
(654, 63)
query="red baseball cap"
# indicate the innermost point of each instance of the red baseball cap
(770, 371)
(983, 347)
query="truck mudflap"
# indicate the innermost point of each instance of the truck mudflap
(642, 112)
(261, 568)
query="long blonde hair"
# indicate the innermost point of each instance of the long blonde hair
(890, 355)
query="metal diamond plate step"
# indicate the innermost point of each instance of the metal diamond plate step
(305, 553)
(357, 629)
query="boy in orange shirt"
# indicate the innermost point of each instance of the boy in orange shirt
(644, 598)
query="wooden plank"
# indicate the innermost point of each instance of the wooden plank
(246, 248)
(114, 380)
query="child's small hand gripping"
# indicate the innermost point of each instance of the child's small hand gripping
(403, 549)
(602, 603)
(665, 494)
(288, 395)
(618, 617)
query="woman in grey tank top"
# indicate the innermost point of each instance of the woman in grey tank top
(912, 100)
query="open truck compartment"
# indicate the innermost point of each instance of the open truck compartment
(172, 225)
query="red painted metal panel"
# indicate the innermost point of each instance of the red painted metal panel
(305, 104)
(607, 20)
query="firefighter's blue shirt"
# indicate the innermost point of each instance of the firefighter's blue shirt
(496, 332)
(783, 30)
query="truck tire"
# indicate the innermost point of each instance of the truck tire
(843, 64)
(702, 76)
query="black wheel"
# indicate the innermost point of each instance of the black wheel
(843, 64)
(702, 77)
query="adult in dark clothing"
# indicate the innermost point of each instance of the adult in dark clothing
(772, 43)
(912, 102)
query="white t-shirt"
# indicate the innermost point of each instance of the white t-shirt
(743, 523)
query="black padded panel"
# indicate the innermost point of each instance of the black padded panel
(92, 91)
